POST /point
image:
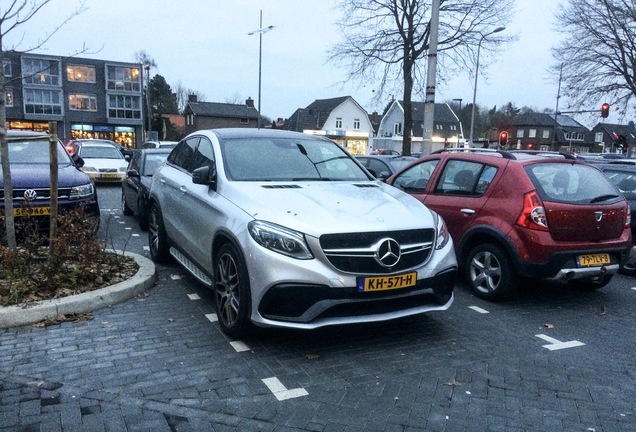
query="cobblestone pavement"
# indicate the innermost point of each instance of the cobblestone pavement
(552, 359)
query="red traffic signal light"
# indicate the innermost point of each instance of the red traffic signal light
(605, 110)
(503, 138)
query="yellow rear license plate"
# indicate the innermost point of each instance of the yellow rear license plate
(384, 283)
(593, 260)
(109, 175)
(31, 211)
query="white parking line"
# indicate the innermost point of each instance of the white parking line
(280, 391)
(556, 344)
(135, 235)
(194, 297)
(478, 309)
(212, 317)
(239, 346)
(175, 277)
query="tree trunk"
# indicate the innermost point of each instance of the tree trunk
(9, 220)
(407, 131)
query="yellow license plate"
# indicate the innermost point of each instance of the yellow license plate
(593, 260)
(384, 283)
(109, 175)
(31, 211)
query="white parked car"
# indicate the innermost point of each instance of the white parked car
(103, 162)
(289, 230)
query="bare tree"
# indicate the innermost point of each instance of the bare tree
(13, 15)
(384, 42)
(598, 53)
(183, 93)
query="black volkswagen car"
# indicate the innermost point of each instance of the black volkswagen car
(136, 184)
(31, 181)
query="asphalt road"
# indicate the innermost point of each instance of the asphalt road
(550, 359)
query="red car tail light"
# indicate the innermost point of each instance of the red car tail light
(533, 214)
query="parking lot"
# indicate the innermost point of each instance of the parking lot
(550, 359)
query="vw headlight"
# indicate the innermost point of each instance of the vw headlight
(83, 191)
(280, 239)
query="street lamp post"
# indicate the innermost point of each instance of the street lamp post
(260, 32)
(472, 115)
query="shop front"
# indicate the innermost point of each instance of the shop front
(123, 135)
(354, 142)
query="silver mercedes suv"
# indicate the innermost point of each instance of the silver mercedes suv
(289, 230)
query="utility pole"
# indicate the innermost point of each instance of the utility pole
(431, 79)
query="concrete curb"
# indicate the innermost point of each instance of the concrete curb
(143, 280)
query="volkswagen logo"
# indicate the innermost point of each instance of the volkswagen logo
(388, 253)
(30, 195)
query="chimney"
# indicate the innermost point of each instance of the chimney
(249, 102)
(192, 98)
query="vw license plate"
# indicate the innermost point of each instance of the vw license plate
(593, 260)
(384, 283)
(31, 211)
(109, 175)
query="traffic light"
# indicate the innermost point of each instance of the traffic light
(621, 141)
(605, 110)
(503, 138)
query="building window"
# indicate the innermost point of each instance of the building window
(245, 121)
(532, 133)
(190, 119)
(397, 129)
(338, 123)
(439, 127)
(124, 107)
(41, 71)
(6, 67)
(81, 73)
(122, 78)
(38, 101)
(453, 127)
(520, 133)
(8, 97)
(356, 124)
(81, 102)
(546, 133)
(598, 137)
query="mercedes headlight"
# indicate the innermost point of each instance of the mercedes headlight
(280, 239)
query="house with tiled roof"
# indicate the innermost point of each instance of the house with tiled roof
(214, 115)
(609, 135)
(549, 132)
(341, 119)
(447, 129)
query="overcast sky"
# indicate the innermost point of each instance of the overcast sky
(204, 44)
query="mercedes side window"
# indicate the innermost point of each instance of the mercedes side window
(183, 155)
(204, 154)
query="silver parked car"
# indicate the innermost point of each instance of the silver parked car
(290, 231)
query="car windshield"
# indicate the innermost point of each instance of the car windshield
(625, 181)
(35, 152)
(152, 162)
(286, 159)
(571, 183)
(101, 152)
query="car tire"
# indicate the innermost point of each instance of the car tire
(124, 206)
(591, 284)
(490, 273)
(157, 237)
(629, 269)
(232, 291)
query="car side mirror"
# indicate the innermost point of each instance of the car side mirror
(133, 173)
(77, 160)
(205, 175)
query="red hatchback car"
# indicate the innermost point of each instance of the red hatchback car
(519, 214)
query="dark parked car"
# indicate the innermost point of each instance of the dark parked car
(623, 174)
(290, 231)
(511, 214)
(136, 183)
(386, 152)
(31, 180)
(382, 167)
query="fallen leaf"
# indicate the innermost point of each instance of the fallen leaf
(603, 311)
(453, 383)
(550, 326)
(312, 356)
